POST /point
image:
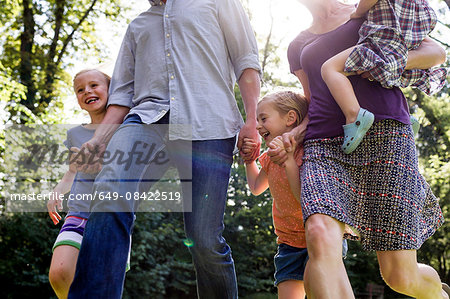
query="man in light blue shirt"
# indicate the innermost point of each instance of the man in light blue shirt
(178, 64)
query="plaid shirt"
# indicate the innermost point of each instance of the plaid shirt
(392, 28)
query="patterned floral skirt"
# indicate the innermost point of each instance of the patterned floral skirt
(377, 189)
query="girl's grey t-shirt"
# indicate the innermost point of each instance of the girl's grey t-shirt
(81, 192)
(308, 51)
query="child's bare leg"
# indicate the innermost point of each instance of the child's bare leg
(291, 289)
(357, 120)
(339, 85)
(62, 269)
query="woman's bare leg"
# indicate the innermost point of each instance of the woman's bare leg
(403, 274)
(325, 274)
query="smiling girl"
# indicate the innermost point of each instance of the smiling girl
(91, 89)
(279, 113)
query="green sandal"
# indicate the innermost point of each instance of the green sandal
(355, 132)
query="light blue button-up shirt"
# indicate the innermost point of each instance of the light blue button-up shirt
(184, 56)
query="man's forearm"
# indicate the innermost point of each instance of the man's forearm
(249, 85)
(113, 118)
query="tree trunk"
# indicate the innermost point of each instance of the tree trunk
(54, 57)
(52, 67)
(26, 53)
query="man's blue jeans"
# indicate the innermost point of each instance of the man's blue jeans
(101, 263)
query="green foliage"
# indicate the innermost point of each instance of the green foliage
(9, 9)
(433, 144)
(249, 231)
(10, 90)
(159, 258)
(40, 41)
(25, 245)
(362, 267)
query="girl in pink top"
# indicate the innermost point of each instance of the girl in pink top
(278, 113)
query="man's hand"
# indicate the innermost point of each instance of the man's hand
(248, 148)
(249, 131)
(277, 146)
(88, 158)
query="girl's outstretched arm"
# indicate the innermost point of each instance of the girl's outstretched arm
(55, 204)
(256, 179)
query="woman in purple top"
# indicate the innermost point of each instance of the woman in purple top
(376, 190)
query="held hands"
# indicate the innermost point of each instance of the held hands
(248, 149)
(249, 133)
(282, 148)
(88, 158)
(277, 142)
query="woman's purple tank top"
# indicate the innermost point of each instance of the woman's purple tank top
(309, 51)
